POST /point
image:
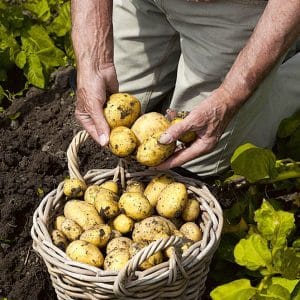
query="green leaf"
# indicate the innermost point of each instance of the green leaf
(288, 126)
(34, 71)
(38, 7)
(296, 243)
(278, 292)
(253, 163)
(286, 283)
(2, 94)
(274, 225)
(3, 75)
(253, 252)
(21, 59)
(296, 292)
(61, 25)
(14, 116)
(236, 290)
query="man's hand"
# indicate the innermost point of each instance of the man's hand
(92, 91)
(209, 120)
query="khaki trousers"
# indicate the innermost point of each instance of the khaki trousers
(185, 49)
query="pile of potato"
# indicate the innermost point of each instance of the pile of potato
(103, 227)
(138, 136)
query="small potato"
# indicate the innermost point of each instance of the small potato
(98, 236)
(151, 153)
(191, 231)
(122, 109)
(71, 229)
(74, 187)
(118, 243)
(155, 186)
(116, 260)
(123, 223)
(191, 211)
(172, 200)
(111, 186)
(85, 252)
(135, 205)
(122, 141)
(91, 193)
(58, 221)
(187, 137)
(106, 204)
(151, 261)
(135, 187)
(148, 125)
(83, 213)
(59, 239)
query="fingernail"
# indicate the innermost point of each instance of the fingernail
(165, 138)
(103, 139)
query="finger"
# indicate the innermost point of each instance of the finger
(113, 84)
(171, 114)
(87, 124)
(198, 148)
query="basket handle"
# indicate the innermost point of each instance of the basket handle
(127, 274)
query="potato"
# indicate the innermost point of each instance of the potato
(122, 141)
(187, 137)
(98, 236)
(111, 186)
(115, 234)
(135, 206)
(58, 222)
(151, 261)
(59, 239)
(151, 229)
(122, 109)
(123, 224)
(191, 210)
(148, 125)
(151, 153)
(71, 229)
(74, 187)
(155, 186)
(106, 204)
(84, 214)
(172, 200)
(191, 231)
(185, 246)
(116, 260)
(91, 193)
(135, 187)
(119, 243)
(85, 252)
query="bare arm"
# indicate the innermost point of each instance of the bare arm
(92, 36)
(275, 32)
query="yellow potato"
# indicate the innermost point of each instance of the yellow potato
(71, 229)
(151, 261)
(106, 204)
(148, 125)
(187, 137)
(85, 252)
(58, 222)
(119, 243)
(91, 193)
(98, 236)
(123, 224)
(172, 200)
(83, 213)
(191, 231)
(151, 153)
(122, 109)
(122, 141)
(135, 187)
(135, 206)
(155, 186)
(74, 187)
(59, 239)
(191, 211)
(116, 260)
(110, 185)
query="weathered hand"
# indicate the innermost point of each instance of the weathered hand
(209, 120)
(92, 90)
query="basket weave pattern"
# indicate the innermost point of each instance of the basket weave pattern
(179, 278)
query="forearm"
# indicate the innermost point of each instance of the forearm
(275, 32)
(92, 33)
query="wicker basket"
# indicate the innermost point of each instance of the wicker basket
(179, 278)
